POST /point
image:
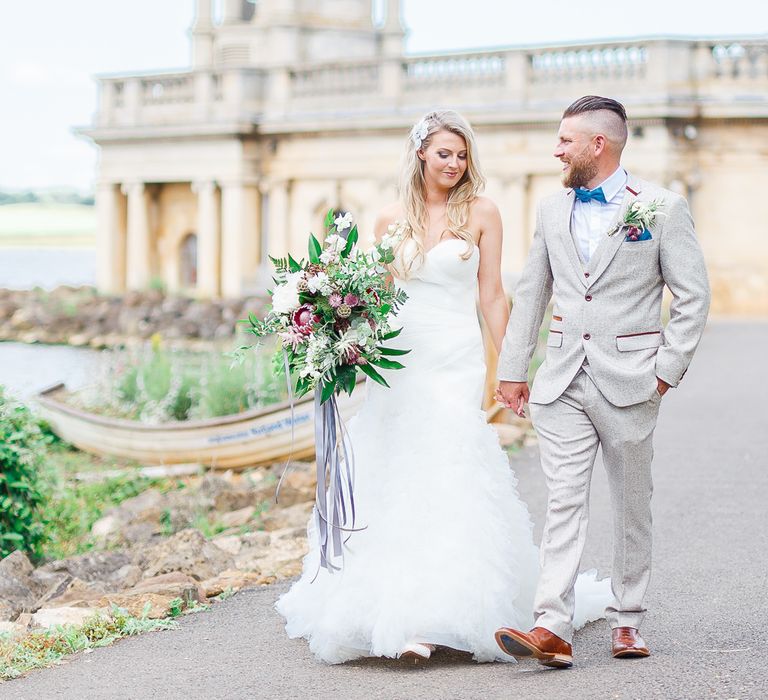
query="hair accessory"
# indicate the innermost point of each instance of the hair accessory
(419, 133)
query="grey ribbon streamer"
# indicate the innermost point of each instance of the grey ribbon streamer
(335, 463)
(335, 500)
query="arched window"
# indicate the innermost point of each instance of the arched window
(188, 261)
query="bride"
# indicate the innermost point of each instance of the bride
(447, 553)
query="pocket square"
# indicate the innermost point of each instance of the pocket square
(634, 235)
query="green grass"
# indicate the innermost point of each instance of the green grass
(34, 221)
(76, 505)
(44, 648)
(156, 385)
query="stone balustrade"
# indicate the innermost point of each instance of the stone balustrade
(689, 73)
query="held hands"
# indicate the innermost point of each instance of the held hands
(514, 395)
(663, 387)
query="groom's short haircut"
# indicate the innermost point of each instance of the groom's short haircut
(604, 115)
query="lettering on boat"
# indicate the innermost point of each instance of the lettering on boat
(260, 430)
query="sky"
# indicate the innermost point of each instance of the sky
(50, 50)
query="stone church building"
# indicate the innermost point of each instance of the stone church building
(292, 107)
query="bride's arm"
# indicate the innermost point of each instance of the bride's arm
(493, 300)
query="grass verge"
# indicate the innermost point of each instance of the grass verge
(41, 648)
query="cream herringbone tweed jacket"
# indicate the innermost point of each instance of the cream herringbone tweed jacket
(609, 310)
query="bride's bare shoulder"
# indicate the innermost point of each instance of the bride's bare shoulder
(388, 215)
(483, 207)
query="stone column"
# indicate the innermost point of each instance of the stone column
(516, 76)
(240, 235)
(393, 33)
(110, 239)
(132, 99)
(208, 239)
(277, 238)
(202, 34)
(233, 11)
(138, 268)
(517, 237)
(106, 101)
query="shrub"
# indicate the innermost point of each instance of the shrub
(22, 491)
(155, 385)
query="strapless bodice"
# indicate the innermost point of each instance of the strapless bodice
(445, 279)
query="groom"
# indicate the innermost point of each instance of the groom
(606, 245)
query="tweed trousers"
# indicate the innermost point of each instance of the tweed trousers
(570, 430)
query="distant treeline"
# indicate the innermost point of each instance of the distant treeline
(46, 197)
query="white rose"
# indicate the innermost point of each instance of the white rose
(285, 297)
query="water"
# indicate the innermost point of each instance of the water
(27, 369)
(25, 268)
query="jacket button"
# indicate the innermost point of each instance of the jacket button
(587, 336)
(586, 274)
(588, 297)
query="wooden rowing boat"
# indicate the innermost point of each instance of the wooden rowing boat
(253, 437)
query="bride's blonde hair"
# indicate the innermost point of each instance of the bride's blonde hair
(409, 253)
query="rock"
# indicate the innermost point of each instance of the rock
(298, 486)
(93, 566)
(72, 591)
(174, 585)
(104, 528)
(152, 605)
(224, 495)
(292, 516)
(189, 552)
(282, 558)
(49, 617)
(237, 518)
(233, 580)
(229, 543)
(19, 589)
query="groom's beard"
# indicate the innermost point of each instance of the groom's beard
(583, 169)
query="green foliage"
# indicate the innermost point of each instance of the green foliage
(155, 385)
(76, 506)
(22, 487)
(43, 648)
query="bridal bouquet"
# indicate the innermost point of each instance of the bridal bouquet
(333, 312)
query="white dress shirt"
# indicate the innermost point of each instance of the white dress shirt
(591, 220)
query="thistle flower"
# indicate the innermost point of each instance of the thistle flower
(335, 300)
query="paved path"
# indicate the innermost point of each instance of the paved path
(708, 599)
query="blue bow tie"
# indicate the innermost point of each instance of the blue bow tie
(584, 195)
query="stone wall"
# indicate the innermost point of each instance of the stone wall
(80, 316)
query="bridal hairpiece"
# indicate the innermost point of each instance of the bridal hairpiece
(419, 133)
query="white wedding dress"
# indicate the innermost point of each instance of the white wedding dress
(447, 556)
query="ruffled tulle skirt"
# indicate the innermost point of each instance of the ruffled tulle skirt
(447, 553)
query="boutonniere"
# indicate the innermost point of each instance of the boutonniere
(638, 219)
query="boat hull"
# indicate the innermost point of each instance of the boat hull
(247, 439)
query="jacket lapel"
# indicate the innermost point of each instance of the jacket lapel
(611, 244)
(564, 226)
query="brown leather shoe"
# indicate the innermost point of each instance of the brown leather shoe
(628, 644)
(540, 644)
